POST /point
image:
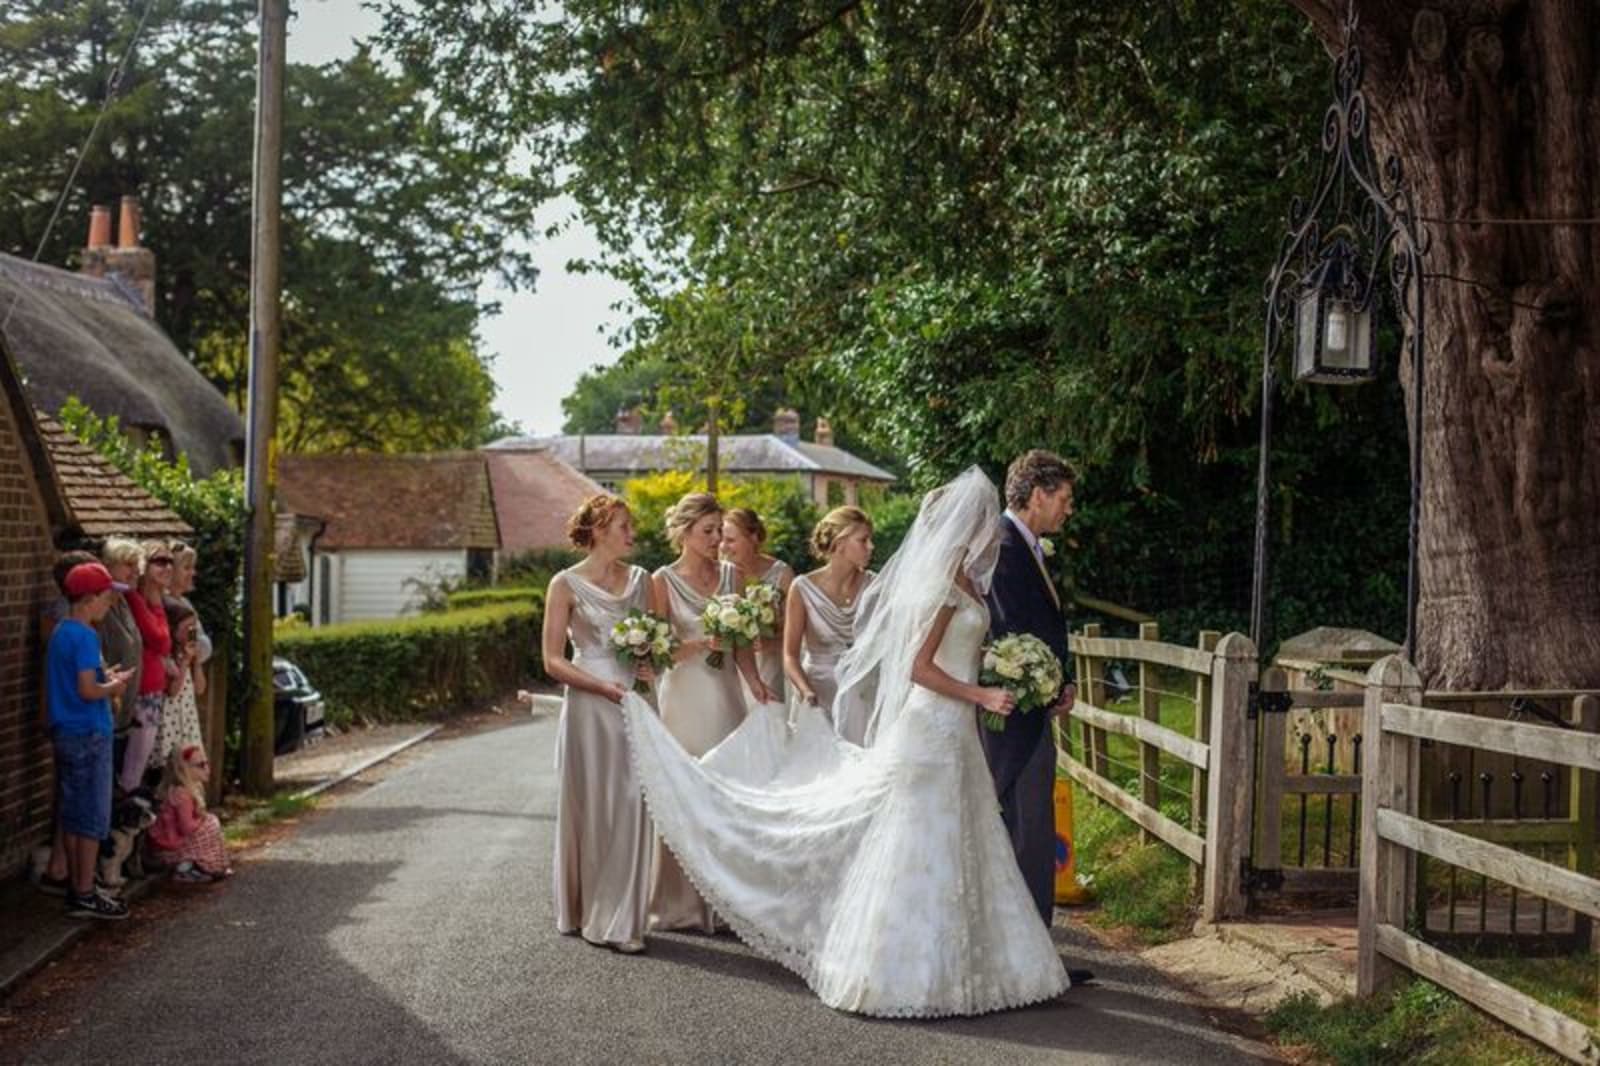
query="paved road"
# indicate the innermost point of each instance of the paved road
(411, 924)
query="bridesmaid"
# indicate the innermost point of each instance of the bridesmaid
(699, 705)
(743, 535)
(820, 615)
(603, 836)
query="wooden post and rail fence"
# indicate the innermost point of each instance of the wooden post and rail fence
(1240, 781)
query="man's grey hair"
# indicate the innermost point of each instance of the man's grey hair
(1036, 469)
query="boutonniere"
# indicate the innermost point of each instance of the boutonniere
(1047, 546)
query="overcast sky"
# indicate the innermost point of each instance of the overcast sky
(542, 340)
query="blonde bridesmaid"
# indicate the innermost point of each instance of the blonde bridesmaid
(820, 611)
(603, 835)
(700, 704)
(743, 537)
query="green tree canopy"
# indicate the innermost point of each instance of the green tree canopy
(396, 209)
(964, 230)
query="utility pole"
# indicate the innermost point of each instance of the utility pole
(266, 336)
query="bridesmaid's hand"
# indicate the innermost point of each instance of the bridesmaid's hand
(712, 644)
(613, 692)
(644, 671)
(762, 693)
(998, 700)
(811, 698)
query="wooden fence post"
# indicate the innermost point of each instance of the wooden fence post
(1273, 732)
(1202, 733)
(1581, 809)
(1388, 780)
(1149, 754)
(1092, 686)
(1229, 784)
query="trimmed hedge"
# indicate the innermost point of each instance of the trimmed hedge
(418, 667)
(465, 599)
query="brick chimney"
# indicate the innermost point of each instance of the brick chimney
(132, 263)
(669, 424)
(824, 433)
(786, 425)
(630, 421)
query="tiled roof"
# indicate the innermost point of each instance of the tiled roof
(440, 500)
(740, 453)
(102, 500)
(73, 335)
(534, 493)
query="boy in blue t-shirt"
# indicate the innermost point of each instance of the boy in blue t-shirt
(79, 688)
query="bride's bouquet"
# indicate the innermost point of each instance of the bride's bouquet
(1024, 666)
(733, 619)
(642, 637)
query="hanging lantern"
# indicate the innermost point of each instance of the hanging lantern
(1334, 323)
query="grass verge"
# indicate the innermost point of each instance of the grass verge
(244, 816)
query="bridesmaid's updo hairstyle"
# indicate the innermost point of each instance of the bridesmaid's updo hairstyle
(682, 515)
(597, 512)
(835, 524)
(748, 521)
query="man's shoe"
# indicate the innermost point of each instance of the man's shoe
(1080, 977)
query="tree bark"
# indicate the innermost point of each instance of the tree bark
(1492, 109)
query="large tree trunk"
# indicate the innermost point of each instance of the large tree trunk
(1492, 109)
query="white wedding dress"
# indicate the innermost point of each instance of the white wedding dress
(883, 875)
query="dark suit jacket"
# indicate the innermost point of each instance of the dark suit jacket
(1020, 602)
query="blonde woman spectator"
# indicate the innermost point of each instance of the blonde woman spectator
(158, 668)
(185, 564)
(119, 632)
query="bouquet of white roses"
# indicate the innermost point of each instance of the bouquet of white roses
(768, 599)
(733, 619)
(642, 637)
(1024, 666)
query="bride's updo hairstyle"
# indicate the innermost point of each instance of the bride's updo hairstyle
(597, 512)
(835, 524)
(682, 515)
(748, 522)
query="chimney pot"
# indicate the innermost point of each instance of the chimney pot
(786, 424)
(100, 226)
(629, 421)
(128, 226)
(824, 434)
(669, 424)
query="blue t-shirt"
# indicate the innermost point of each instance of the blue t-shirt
(75, 647)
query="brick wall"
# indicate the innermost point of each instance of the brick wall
(25, 585)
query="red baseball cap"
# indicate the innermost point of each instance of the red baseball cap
(89, 579)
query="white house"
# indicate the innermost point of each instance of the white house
(376, 530)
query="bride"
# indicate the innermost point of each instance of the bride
(881, 875)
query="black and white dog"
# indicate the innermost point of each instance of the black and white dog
(120, 854)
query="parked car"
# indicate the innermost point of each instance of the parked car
(297, 707)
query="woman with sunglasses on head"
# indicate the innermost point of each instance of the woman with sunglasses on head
(157, 668)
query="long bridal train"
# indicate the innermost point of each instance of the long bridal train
(881, 875)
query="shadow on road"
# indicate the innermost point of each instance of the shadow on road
(178, 994)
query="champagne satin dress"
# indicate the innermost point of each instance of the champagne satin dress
(604, 840)
(699, 706)
(769, 664)
(830, 629)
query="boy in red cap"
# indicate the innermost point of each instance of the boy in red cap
(78, 688)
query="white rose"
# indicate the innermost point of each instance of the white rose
(989, 660)
(638, 637)
(1047, 546)
(728, 617)
(661, 646)
(767, 616)
(1008, 670)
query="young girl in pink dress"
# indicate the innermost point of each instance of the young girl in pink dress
(186, 836)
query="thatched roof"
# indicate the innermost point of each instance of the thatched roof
(14, 399)
(73, 335)
(440, 500)
(740, 453)
(534, 493)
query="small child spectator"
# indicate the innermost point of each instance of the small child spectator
(186, 836)
(79, 688)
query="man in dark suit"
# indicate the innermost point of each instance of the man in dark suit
(1023, 598)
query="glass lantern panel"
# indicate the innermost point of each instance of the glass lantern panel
(1306, 336)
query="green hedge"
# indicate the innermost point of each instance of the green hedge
(418, 667)
(465, 599)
